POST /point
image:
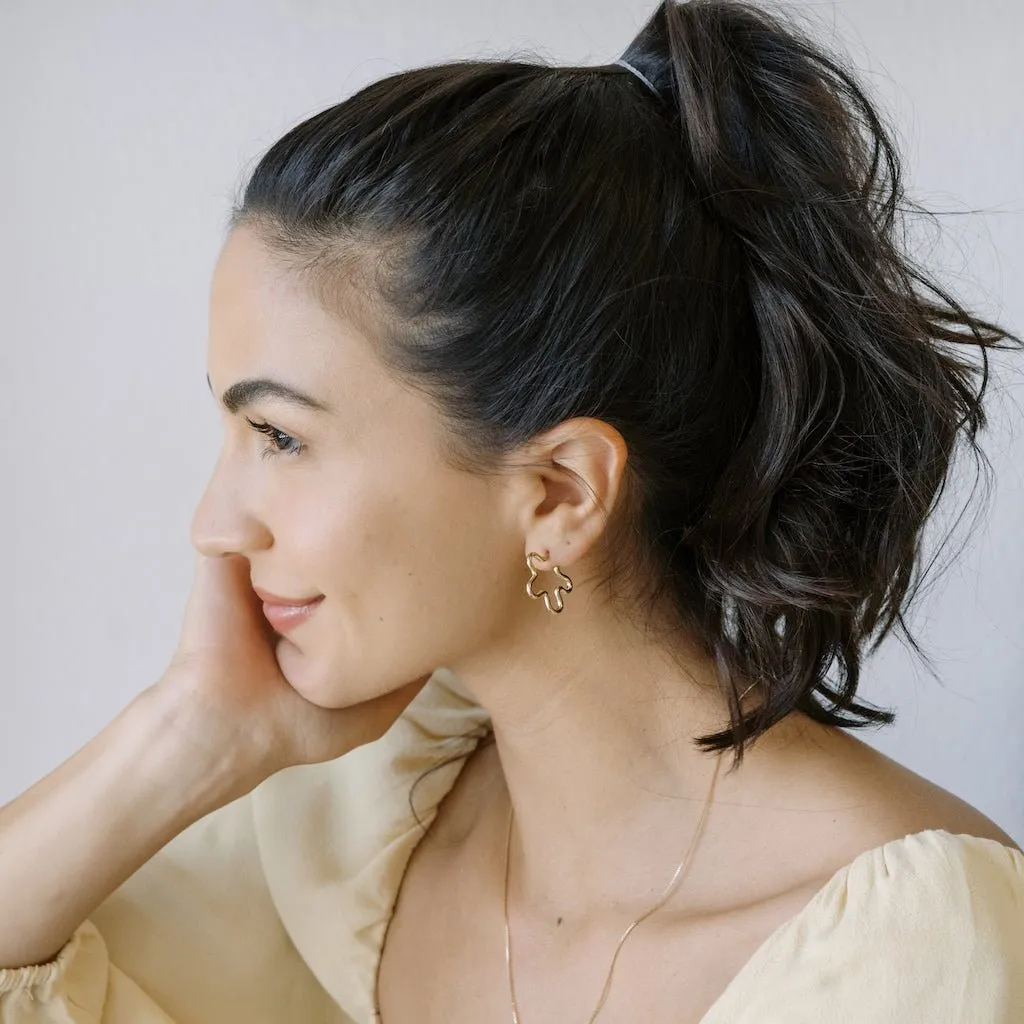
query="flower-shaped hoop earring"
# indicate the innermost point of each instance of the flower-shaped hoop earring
(566, 586)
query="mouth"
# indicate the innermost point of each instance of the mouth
(286, 617)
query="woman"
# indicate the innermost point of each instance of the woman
(645, 328)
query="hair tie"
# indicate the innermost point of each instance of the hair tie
(643, 78)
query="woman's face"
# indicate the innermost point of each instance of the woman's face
(352, 502)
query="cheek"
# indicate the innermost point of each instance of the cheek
(407, 589)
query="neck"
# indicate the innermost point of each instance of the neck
(593, 727)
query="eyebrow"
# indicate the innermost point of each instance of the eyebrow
(245, 392)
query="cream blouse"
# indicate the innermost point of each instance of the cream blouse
(273, 910)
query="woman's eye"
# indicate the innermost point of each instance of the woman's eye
(280, 442)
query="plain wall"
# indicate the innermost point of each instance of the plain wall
(125, 129)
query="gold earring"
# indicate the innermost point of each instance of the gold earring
(567, 586)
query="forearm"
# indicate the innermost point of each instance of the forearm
(73, 838)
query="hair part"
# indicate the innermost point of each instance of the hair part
(715, 271)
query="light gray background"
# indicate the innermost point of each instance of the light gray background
(126, 126)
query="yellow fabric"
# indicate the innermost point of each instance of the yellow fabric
(274, 909)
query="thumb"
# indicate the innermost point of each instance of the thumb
(221, 604)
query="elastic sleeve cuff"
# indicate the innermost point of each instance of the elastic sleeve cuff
(38, 980)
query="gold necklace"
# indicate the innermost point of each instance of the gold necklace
(668, 892)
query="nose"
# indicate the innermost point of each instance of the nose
(223, 522)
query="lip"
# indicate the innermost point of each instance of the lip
(284, 617)
(289, 602)
(285, 613)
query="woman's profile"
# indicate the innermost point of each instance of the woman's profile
(580, 428)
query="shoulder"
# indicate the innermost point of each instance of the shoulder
(925, 928)
(936, 876)
(914, 907)
(921, 851)
(938, 910)
(886, 799)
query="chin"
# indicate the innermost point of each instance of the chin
(322, 684)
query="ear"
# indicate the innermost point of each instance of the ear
(571, 478)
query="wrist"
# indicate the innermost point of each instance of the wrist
(196, 776)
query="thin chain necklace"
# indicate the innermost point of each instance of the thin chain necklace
(668, 892)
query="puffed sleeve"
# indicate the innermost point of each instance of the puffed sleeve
(273, 909)
(927, 929)
(193, 936)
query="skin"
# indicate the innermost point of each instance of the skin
(423, 566)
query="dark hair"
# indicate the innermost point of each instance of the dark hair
(714, 271)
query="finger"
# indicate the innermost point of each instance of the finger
(221, 600)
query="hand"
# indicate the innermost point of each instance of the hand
(238, 704)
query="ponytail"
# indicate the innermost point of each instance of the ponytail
(808, 538)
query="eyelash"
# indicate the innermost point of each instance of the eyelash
(273, 433)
